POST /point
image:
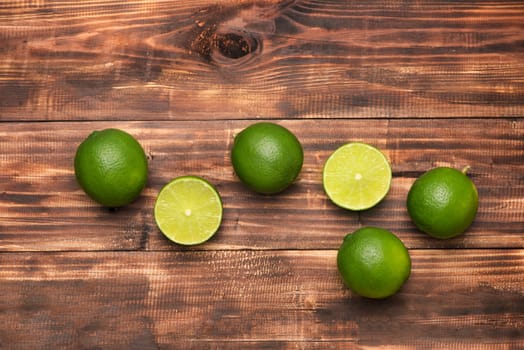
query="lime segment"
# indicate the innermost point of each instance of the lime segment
(356, 176)
(188, 210)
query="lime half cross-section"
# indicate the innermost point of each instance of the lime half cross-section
(357, 176)
(188, 210)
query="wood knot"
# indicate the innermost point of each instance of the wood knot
(234, 46)
(224, 47)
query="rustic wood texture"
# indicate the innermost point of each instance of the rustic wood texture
(237, 59)
(270, 299)
(429, 82)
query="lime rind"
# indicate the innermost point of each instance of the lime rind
(267, 157)
(373, 262)
(188, 210)
(443, 202)
(357, 176)
(111, 167)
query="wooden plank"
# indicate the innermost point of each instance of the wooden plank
(43, 209)
(265, 299)
(202, 59)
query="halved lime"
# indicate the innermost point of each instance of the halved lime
(357, 176)
(188, 210)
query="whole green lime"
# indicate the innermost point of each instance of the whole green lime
(373, 262)
(267, 157)
(111, 167)
(443, 202)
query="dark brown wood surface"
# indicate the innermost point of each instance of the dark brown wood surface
(430, 83)
(240, 59)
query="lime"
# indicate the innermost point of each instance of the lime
(267, 157)
(111, 167)
(357, 176)
(443, 202)
(373, 262)
(188, 210)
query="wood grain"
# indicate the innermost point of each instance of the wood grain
(42, 207)
(204, 59)
(239, 299)
(429, 82)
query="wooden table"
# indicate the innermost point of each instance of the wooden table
(430, 82)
